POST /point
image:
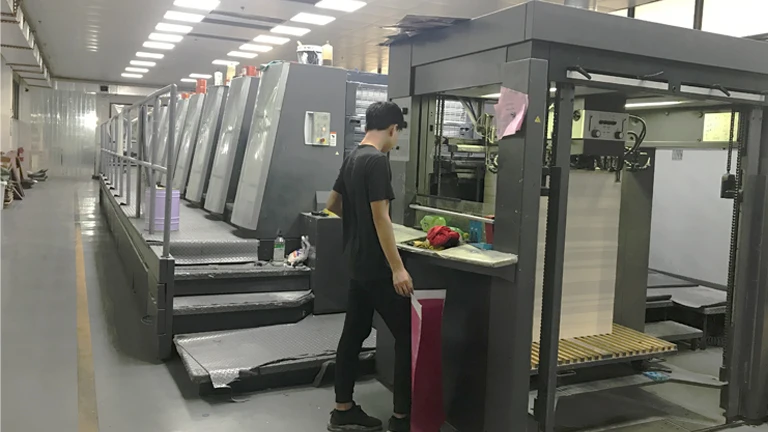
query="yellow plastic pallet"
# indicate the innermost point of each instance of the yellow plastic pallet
(622, 343)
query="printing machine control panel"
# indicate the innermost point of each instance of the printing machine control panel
(317, 129)
(600, 125)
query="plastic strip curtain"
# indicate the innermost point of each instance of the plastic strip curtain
(62, 132)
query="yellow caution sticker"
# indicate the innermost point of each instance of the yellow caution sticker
(538, 119)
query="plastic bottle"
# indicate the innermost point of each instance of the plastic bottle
(278, 253)
(327, 54)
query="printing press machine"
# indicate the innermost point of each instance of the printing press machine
(244, 169)
(577, 129)
(493, 368)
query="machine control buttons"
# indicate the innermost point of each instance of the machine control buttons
(596, 133)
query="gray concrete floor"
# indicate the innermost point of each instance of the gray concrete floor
(39, 355)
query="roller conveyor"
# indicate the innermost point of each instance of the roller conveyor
(622, 345)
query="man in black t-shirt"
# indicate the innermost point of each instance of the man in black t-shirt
(379, 282)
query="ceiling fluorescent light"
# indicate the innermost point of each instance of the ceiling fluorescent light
(159, 45)
(150, 55)
(132, 75)
(653, 104)
(309, 18)
(164, 37)
(293, 31)
(183, 16)
(341, 5)
(135, 69)
(142, 63)
(275, 40)
(256, 48)
(491, 96)
(200, 76)
(173, 28)
(226, 62)
(189, 80)
(242, 54)
(206, 5)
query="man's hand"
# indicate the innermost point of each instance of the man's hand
(402, 282)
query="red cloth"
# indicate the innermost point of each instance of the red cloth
(442, 236)
(427, 411)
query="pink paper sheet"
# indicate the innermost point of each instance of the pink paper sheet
(510, 112)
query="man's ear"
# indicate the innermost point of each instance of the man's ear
(391, 130)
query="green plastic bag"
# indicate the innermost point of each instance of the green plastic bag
(429, 221)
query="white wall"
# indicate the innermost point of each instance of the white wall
(6, 101)
(690, 231)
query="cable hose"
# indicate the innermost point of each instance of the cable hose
(555, 122)
(734, 246)
(730, 141)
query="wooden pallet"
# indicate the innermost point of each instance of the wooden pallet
(622, 343)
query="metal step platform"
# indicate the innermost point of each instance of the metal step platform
(240, 278)
(672, 331)
(622, 345)
(205, 313)
(267, 357)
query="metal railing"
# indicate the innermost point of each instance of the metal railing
(117, 150)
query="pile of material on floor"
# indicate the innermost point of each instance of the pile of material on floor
(15, 178)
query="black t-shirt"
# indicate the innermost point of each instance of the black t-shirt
(365, 177)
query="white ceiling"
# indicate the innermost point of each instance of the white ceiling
(119, 28)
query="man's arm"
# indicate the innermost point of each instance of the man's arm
(335, 203)
(400, 277)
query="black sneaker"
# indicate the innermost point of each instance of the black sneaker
(399, 424)
(354, 419)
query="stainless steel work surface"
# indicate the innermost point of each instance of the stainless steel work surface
(224, 355)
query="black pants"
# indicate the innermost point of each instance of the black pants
(364, 298)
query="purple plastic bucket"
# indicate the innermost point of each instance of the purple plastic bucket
(160, 209)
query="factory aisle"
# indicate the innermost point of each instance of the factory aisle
(131, 392)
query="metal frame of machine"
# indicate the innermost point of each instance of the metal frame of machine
(527, 47)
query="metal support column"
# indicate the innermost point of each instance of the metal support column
(120, 150)
(554, 256)
(517, 222)
(128, 151)
(153, 160)
(169, 174)
(746, 395)
(140, 144)
(698, 14)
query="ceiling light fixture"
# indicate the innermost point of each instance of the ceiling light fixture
(164, 37)
(142, 63)
(183, 16)
(309, 18)
(135, 69)
(341, 5)
(132, 75)
(653, 104)
(293, 31)
(206, 5)
(226, 62)
(189, 80)
(159, 45)
(242, 54)
(150, 55)
(491, 96)
(275, 40)
(200, 76)
(256, 48)
(173, 28)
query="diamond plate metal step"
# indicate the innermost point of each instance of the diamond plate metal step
(268, 357)
(195, 314)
